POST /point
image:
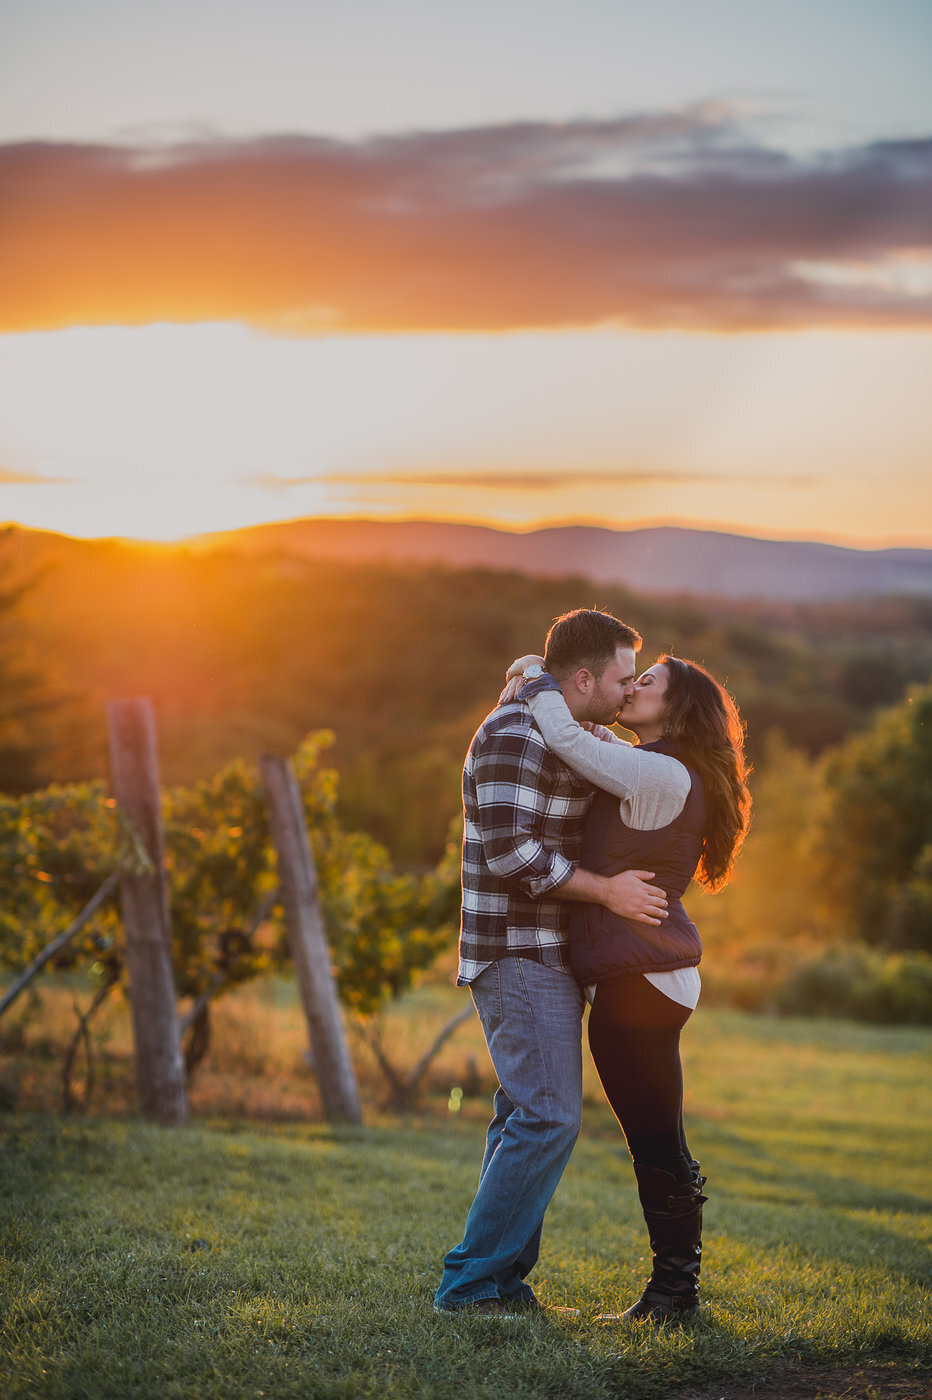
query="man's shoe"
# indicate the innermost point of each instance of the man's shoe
(522, 1304)
(484, 1307)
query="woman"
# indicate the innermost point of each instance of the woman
(684, 811)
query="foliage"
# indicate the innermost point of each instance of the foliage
(876, 838)
(27, 697)
(775, 891)
(58, 845)
(403, 662)
(854, 981)
(772, 915)
(835, 880)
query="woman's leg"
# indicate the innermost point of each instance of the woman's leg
(634, 1036)
(634, 1033)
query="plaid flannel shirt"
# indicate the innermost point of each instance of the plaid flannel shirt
(524, 816)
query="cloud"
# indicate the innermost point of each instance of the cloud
(517, 480)
(659, 221)
(10, 476)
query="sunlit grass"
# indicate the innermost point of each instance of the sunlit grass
(231, 1259)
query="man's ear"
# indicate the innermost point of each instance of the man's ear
(584, 680)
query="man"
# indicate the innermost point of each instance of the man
(524, 816)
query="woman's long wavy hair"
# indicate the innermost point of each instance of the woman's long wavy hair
(703, 718)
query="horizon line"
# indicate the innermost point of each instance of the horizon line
(203, 538)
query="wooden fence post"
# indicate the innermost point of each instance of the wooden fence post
(144, 900)
(308, 941)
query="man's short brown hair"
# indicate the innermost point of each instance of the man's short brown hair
(586, 638)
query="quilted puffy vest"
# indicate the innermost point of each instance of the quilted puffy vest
(604, 946)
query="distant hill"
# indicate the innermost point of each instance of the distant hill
(663, 561)
(246, 643)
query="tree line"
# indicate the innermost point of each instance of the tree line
(241, 655)
(245, 654)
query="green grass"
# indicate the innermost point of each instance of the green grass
(235, 1260)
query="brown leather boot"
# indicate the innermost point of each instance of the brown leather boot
(673, 1212)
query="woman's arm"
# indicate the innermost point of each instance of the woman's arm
(660, 781)
(514, 676)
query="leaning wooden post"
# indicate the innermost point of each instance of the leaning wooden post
(308, 941)
(144, 899)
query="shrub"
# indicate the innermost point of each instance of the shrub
(58, 845)
(876, 842)
(855, 981)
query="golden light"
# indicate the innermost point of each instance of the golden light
(167, 431)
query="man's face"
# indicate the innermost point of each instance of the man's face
(611, 690)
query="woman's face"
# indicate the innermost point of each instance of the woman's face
(642, 712)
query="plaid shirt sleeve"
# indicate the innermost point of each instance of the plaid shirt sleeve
(514, 803)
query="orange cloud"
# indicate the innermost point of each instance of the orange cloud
(508, 479)
(673, 221)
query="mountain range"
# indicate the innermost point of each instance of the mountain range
(665, 560)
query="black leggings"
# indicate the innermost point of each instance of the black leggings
(634, 1036)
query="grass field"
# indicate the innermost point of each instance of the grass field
(237, 1258)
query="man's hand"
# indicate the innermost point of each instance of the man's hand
(631, 897)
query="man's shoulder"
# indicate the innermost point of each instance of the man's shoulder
(513, 715)
(511, 721)
(509, 739)
(509, 736)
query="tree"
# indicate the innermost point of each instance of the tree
(385, 927)
(36, 740)
(877, 829)
(21, 690)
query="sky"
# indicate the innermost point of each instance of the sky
(513, 262)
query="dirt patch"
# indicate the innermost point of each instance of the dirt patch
(874, 1382)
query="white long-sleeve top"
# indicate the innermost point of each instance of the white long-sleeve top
(652, 789)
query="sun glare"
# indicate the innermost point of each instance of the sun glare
(165, 432)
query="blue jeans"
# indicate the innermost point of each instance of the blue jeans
(532, 1018)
